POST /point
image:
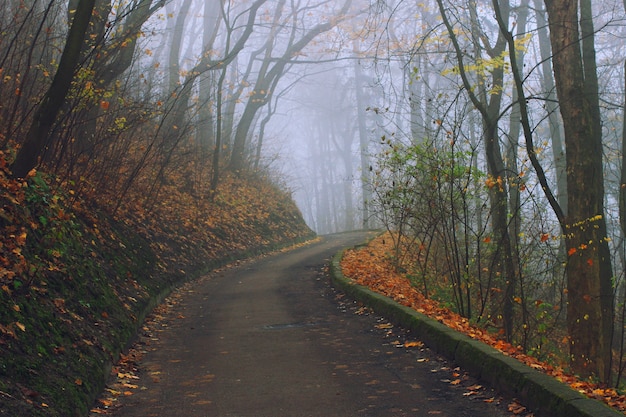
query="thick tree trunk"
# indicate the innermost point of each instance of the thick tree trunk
(589, 269)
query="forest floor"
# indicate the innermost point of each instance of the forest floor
(372, 267)
(76, 279)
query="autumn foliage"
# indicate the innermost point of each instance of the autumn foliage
(80, 268)
(372, 266)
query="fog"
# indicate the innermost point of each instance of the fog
(300, 63)
(487, 135)
(309, 91)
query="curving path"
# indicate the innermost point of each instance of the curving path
(270, 337)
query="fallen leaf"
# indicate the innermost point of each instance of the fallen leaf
(516, 408)
(105, 402)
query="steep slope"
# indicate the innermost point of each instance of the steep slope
(76, 280)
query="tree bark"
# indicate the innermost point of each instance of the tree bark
(35, 143)
(589, 268)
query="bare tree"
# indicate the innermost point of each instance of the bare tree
(488, 103)
(271, 70)
(45, 115)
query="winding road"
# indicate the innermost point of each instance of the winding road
(270, 337)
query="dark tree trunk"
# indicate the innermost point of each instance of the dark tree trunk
(45, 115)
(589, 269)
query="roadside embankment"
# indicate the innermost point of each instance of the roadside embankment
(77, 281)
(538, 391)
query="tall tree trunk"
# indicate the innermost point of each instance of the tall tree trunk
(363, 140)
(37, 136)
(215, 177)
(488, 104)
(346, 155)
(589, 268)
(176, 43)
(206, 125)
(556, 128)
(552, 108)
(512, 147)
(622, 222)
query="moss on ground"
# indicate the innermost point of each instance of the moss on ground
(85, 283)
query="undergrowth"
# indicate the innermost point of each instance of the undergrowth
(76, 281)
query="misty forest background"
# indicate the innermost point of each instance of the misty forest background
(487, 135)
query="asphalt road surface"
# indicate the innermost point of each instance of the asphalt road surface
(270, 337)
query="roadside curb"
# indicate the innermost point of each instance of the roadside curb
(540, 392)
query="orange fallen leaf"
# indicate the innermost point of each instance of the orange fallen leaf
(106, 402)
(516, 408)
